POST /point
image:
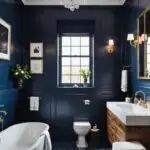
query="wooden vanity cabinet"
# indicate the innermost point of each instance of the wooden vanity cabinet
(118, 131)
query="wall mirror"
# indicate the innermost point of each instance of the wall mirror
(143, 55)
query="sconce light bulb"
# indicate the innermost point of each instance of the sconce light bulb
(111, 42)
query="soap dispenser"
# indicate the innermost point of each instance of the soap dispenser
(128, 99)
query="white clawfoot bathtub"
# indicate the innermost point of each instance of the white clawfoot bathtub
(26, 136)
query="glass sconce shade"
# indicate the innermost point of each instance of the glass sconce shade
(130, 37)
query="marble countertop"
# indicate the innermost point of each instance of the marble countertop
(130, 114)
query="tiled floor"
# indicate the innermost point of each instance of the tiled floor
(71, 146)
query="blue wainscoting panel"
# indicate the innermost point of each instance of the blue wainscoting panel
(8, 98)
(135, 9)
(11, 13)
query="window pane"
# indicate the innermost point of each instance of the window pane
(75, 51)
(65, 70)
(148, 58)
(75, 79)
(85, 41)
(65, 61)
(65, 79)
(85, 67)
(65, 50)
(148, 48)
(148, 67)
(65, 41)
(75, 41)
(75, 70)
(75, 61)
(85, 51)
(85, 61)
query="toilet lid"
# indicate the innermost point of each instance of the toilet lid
(81, 123)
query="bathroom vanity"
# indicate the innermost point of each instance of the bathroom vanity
(128, 122)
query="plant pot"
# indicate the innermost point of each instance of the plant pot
(85, 83)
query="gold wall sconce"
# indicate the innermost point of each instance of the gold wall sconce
(134, 42)
(110, 47)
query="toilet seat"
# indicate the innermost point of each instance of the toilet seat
(83, 124)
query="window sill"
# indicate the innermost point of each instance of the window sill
(61, 87)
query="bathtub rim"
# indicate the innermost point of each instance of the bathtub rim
(17, 124)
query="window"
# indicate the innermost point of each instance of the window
(75, 53)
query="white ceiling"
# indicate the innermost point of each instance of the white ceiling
(80, 2)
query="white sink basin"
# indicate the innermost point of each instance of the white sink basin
(132, 108)
(130, 114)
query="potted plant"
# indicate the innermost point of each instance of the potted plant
(85, 73)
(21, 73)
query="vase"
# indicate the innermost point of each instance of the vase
(20, 83)
(85, 83)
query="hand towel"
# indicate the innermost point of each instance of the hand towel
(34, 103)
(124, 81)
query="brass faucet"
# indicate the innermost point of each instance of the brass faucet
(141, 102)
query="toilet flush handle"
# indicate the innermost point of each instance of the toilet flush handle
(86, 102)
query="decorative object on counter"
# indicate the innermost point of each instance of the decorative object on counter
(128, 99)
(21, 73)
(36, 50)
(36, 66)
(5, 39)
(85, 74)
(110, 47)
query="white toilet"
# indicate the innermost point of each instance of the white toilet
(81, 129)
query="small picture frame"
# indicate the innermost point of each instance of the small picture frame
(36, 50)
(36, 66)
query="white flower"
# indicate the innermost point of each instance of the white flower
(22, 72)
(16, 73)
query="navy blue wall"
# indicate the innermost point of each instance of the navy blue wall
(59, 107)
(134, 11)
(8, 96)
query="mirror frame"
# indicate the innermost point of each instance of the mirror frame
(143, 13)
